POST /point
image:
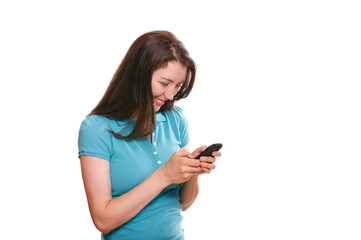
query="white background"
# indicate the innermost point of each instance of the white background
(278, 84)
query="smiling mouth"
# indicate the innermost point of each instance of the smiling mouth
(159, 102)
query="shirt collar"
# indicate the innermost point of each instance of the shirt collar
(159, 117)
(123, 122)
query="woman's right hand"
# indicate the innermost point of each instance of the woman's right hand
(180, 167)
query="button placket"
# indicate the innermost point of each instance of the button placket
(155, 152)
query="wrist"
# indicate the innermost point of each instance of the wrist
(162, 177)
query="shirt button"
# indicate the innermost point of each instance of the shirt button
(154, 144)
(153, 134)
(159, 162)
(155, 153)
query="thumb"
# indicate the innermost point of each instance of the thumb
(198, 151)
(184, 153)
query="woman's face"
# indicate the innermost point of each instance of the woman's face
(166, 82)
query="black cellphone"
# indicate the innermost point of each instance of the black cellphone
(209, 150)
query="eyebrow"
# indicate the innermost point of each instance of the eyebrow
(170, 80)
(167, 79)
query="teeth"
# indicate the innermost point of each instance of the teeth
(159, 101)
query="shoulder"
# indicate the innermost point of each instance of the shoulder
(95, 122)
(178, 122)
(176, 114)
(96, 125)
(178, 111)
(177, 119)
(95, 139)
(100, 125)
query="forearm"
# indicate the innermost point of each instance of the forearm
(118, 211)
(189, 192)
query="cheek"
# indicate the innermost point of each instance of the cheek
(156, 90)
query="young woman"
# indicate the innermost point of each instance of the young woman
(133, 147)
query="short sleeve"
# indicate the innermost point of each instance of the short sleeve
(183, 126)
(95, 138)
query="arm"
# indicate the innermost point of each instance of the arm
(189, 192)
(190, 189)
(108, 213)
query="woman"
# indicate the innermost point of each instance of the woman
(133, 147)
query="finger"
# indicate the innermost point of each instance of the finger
(206, 170)
(189, 155)
(194, 163)
(198, 151)
(216, 154)
(190, 162)
(208, 166)
(183, 153)
(193, 169)
(207, 159)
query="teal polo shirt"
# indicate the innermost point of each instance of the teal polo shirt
(131, 162)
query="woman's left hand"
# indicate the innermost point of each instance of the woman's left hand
(207, 163)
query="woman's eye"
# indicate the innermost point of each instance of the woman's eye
(164, 84)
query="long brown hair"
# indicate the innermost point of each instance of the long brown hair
(129, 93)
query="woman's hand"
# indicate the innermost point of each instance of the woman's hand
(181, 167)
(190, 189)
(206, 163)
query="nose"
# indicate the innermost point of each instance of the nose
(169, 95)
